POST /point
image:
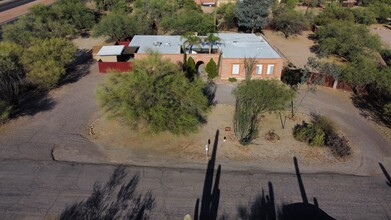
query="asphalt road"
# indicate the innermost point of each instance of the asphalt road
(12, 4)
(33, 190)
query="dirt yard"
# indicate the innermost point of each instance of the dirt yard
(124, 145)
(384, 31)
(296, 49)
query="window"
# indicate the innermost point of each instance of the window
(235, 69)
(270, 69)
(259, 69)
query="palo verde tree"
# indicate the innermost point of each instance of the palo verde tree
(252, 14)
(254, 97)
(44, 63)
(155, 97)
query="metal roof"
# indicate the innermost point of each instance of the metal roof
(233, 45)
(163, 43)
(111, 50)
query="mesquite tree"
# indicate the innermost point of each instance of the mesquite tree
(254, 97)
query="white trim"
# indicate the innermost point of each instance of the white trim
(235, 69)
(270, 69)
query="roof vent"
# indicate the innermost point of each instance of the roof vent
(157, 43)
(235, 41)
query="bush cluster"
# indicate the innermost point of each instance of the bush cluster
(322, 131)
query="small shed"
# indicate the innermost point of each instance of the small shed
(110, 53)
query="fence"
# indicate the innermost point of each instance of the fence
(105, 67)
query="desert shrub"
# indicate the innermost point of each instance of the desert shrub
(232, 79)
(323, 123)
(272, 136)
(339, 145)
(309, 133)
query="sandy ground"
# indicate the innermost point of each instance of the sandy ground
(295, 49)
(383, 31)
(126, 146)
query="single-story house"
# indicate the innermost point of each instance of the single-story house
(233, 47)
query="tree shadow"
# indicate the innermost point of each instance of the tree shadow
(263, 207)
(116, 199)
(211, 192)
(79, 68)
(388, 181)
(210, 92)
(33, 102)
(372, 108)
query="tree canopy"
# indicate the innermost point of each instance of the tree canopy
(252, 14)
(346, 40)
(155, 98)
(254, 97)
(44, 63)
(117, 25)
(288, 21)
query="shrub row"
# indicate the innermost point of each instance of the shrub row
(322, 131)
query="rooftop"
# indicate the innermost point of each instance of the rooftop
(233, 45)
(111, 50)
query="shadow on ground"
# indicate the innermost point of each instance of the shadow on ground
(371, 107)
(388, 178)
(263, 206)
(211, 192)
(33, 102)
(79, 68)
(116, 199)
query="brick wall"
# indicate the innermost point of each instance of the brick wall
(227, 65)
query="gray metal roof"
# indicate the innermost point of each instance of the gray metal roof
(111, 50)
(233, 45)
(163, 43)
(236, 45)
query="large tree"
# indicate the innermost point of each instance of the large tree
(155, 97)
(252, 14)
(254, 97)
(117, 25)
(347, 40)
(288, 21)
(46, 61)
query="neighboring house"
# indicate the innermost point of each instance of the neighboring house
(115, 57)
(234, 48)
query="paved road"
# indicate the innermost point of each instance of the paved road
(12, 4)
(9, 11)
(32, 190)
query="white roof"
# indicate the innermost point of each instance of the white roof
(111, 50)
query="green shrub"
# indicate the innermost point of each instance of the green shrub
(232, 79)
(323, 123)
(211, 69)
(309, 133)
